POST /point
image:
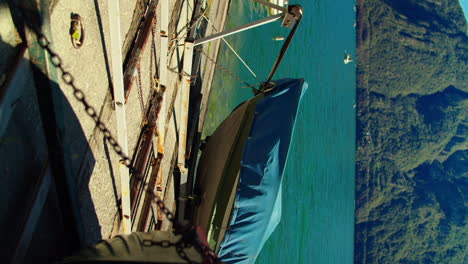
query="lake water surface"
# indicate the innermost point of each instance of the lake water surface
(317, 223)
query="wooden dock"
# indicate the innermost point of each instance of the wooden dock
(74, 196)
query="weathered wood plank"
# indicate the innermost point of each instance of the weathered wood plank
(138, 14)
(138, 49)
(119, 94)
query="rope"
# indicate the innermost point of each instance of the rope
(189, 26)
(232, 49)
(224, 69)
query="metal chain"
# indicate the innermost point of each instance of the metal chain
(79, 95)
(140, 95)
(156, 96)
(232, 49)
(189, 26)
(152, 57)
(174, 41)
(181, 245)
(224, 69)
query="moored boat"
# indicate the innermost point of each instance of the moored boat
(347, 58)
(241, 169)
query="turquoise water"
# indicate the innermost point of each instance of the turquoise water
(464, 5)
(317, 223)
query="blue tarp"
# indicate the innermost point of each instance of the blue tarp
(257, 205)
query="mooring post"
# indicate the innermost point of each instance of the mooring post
(184, 105)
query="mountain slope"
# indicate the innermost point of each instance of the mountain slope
(412, 127)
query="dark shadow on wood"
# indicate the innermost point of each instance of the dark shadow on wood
(111, 172)
(43, 130)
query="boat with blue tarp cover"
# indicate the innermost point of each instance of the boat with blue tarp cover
(241, 168)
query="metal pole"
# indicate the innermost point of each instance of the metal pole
(295, 15)
(245, 27)
(269, 4)
(119, 95)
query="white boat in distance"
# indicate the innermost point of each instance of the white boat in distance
(347, 58)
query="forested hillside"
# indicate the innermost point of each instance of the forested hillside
(412, 157)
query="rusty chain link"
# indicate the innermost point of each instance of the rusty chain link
(180, 245)
(225, 70)
(153, 83)
(157, 95)
(140, 95)
(79, 95)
